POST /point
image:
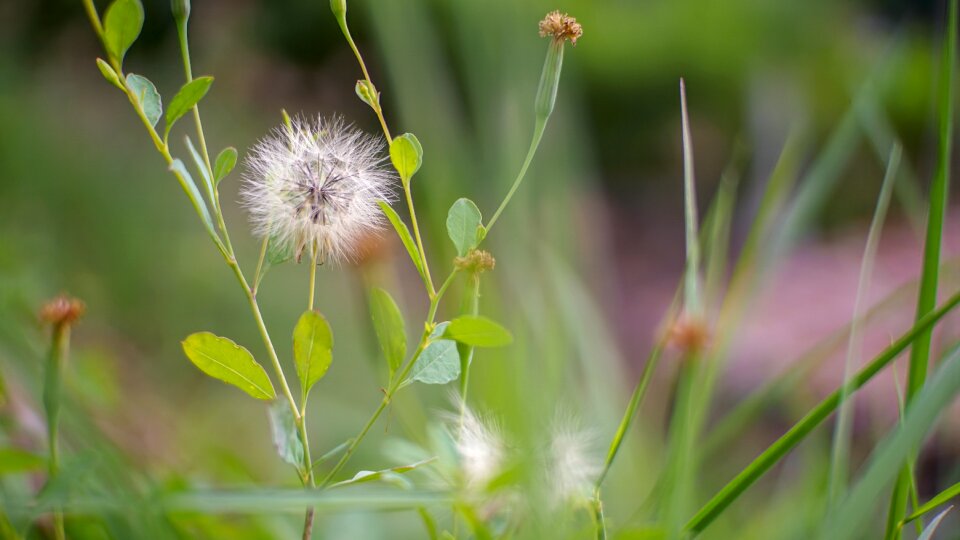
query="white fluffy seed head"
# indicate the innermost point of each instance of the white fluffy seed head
(573, 466)
(479, 446)
(316, 185)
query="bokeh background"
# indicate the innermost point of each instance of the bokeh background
(588, 256)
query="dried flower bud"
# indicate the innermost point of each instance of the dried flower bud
(561, 26)
(476, 261)
(62, 310)
(689, 334)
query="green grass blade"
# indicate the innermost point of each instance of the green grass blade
(927, 297)
(936, 501)
(759, 466)
(693, 303)
(840, 452)
(888, 458)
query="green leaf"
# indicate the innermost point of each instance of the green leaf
(188, 96)
(14, 460)
(121, 26)
(390, 475)
(478, 331)
(223, 359)
(109, 74)
(407, 155)
(202, 167)
(439, 363)
(464, 225)
(190, 187)
(226, 161)
(312, 348)
(936, 501)
(286, 437)
(389, 327)
(404, 233)
(147, 96)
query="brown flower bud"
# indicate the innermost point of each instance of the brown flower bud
(689, 334)
(62, 310)
(561, 26)
(475, 261)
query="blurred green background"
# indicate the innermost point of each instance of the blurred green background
(587, 256)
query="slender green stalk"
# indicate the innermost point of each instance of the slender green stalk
(927, 297)
(839, 456)
(52, 387)
(538, 129)
(937, 500)
(472, 307)
(693, 305)
(395, 384)
(313, 278)
(772, 455)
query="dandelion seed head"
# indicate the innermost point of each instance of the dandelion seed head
(316, 185)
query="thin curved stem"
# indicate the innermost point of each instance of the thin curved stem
(538, 129)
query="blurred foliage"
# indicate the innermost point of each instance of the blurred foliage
(86, 206)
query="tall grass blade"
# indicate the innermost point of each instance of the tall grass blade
(759, 466)
(888, 458)
(840, 453)
(927, 297)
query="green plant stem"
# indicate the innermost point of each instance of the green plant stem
(716, 505)
(313, 281)
(539, 126)
(59, 349)
(472, 308)
(431, 291)
(395, 384)
(927, 297)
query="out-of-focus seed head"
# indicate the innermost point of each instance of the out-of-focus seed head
(316, 184)
(689, 334)
(561, 26)
(63, 309)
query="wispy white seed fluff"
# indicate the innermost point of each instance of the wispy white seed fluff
(479, 446)
(573, 465)
(315, 185)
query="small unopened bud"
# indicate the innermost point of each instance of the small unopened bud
(689, 334)
(476, 261)
(181, 10)
(368, 93)
(62, 310)
(339, 8)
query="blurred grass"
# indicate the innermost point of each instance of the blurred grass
(85, 207)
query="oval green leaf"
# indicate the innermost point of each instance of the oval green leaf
(226, 161)
(223, 359)
(404, 233)
(478, 331)
(190, 186)
(147, 96)
(406, 155)
(286, 437)
(389, 327)
(188, 96)
(439, 363)
(464, 225)
(312, 348)
(121, 26)
(109, 74)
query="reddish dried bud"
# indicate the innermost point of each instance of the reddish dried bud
(475, 261)
(689, 334)
(561, 26)
(62, 310)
